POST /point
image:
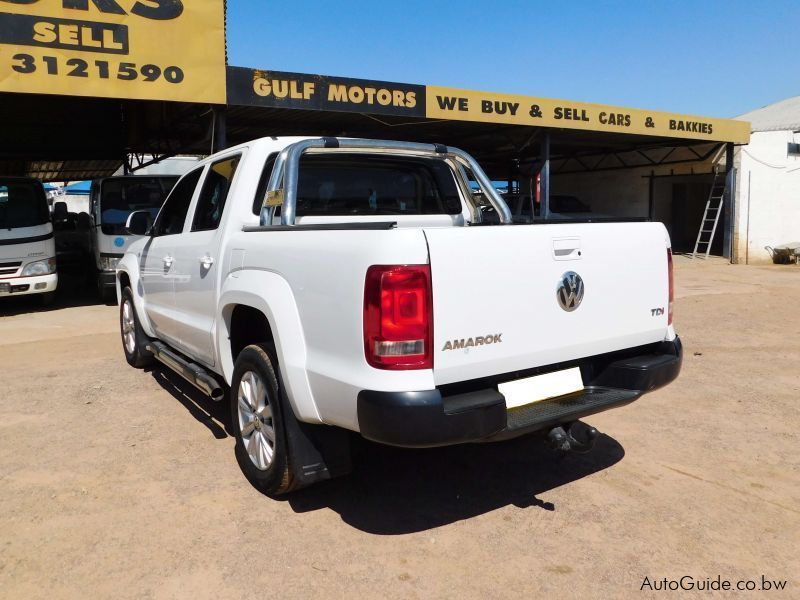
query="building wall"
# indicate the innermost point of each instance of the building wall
(626, 193)
(622, 193)
(768, 196)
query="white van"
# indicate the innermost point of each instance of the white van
(112, 200)
(27, 247)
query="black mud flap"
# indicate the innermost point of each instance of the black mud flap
(317, 452)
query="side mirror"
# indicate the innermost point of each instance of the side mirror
(139, 222)
(60, 212)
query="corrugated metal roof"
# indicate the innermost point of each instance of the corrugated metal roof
(70, 170)
(781, 116)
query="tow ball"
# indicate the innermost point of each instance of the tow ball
(561, 438)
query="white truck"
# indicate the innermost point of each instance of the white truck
(27, 247)
(340, 285)
(112, 200)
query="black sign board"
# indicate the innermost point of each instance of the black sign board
(253, 87)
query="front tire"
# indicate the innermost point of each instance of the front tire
(134, 339)
(257, 417)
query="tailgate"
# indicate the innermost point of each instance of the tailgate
(500, 284)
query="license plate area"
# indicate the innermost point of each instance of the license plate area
(541, 387)
(5, 287)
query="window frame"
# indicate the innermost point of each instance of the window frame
(195, 206)
(429, 165)
(200, 171)
(263, 183)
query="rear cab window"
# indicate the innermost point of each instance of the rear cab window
(371, 184)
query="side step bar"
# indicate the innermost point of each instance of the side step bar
(191, 372)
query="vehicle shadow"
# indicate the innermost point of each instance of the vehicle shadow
(214, 415)
(395, 491)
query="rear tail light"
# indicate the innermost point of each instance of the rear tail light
(398, 317)
(671, 285)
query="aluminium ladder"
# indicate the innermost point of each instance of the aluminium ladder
(708, 226)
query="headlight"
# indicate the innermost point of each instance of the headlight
(40, 267)
(109, 263)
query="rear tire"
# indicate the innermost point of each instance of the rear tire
(257, 418)
(134, 340)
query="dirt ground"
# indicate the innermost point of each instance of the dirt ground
(118, 483)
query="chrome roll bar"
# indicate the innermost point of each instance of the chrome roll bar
(282, 188)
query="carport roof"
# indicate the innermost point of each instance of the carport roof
(59, 138)
(493, 145)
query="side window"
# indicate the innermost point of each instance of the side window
(173, 215)
(261, 190)
(212, 198)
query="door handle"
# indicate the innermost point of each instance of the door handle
(168, 260)
(206, 261)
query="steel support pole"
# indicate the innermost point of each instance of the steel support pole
(544, 183)
(220, 128)
(728, 202)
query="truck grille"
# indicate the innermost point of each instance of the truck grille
(9, 268)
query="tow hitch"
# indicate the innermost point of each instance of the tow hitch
(561, 438)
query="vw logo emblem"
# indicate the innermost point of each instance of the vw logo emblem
(570, 291)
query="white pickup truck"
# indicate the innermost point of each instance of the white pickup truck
(342, 285)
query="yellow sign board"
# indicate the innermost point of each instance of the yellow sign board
(489, 107)
(138, 49)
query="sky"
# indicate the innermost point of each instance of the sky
(702, 57)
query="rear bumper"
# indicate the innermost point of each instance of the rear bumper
(455, 415)
(22, 286)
